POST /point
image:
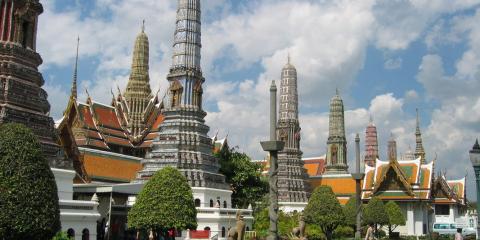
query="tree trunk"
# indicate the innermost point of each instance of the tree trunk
(329, 235)
(389, 230)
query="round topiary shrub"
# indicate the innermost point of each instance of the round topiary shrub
(165, 203)
(28, 192)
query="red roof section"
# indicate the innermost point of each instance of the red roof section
(106, 116)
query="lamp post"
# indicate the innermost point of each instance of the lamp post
(358, 176)
(273, 146)
(475, 159)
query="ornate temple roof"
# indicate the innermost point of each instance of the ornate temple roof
(314, 165)
(449, 191)
(219, 144)
(394, 180)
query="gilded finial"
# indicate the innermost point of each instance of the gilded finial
(418, 118)
(75, 71)
(88, 94)
(119, 91)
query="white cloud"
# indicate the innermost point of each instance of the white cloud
(403, 21)
(393, 63)
(454, 124)
(411, 95)
(327, 41)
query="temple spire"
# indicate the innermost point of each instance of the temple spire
(75, 69)
(187, 42)
(371, 143)
(292, 186)
(419, 151)
(336, 143)
(183, 141)
(392, 148)
(138, 92)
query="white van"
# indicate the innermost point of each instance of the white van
(445, 228)
(451, 229)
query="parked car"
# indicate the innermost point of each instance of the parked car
(451, 229)
(469, 231)
(445, 228)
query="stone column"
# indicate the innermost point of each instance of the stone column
(273, 146)
(358, 176)
(475, 159)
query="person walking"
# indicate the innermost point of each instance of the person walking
(369, 234)
(458, 235)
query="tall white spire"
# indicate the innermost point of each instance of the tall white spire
(187, 41)
(185, 75)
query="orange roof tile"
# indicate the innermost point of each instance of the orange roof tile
(113, 132)
(86, 116)
(314, 166)
(97, 143)
(106, 116)
(157, 122)
(107, 167)
(118, 141)
(343, 200)
(340, 185)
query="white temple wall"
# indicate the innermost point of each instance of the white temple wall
(74, 215)
(216, 195)
(415, 218)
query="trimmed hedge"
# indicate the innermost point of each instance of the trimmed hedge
(28, 192)
(165, 202)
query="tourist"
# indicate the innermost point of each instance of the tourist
(458, 235)
(369, 234)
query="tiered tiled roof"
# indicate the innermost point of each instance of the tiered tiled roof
(315, 165)
(343, 185)
(108, 166)
(394, 180)
(99, 126)
(448, 191)
(219, 144)
(95, 137)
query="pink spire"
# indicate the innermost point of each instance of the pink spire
(371, 144)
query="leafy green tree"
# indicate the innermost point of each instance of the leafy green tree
(395, 216)
(165, 203)
(261, 223)
(324, 210)
(286, 223)
(28, 192)
(350, 211)
(374, 213)
(61, 236)
(244, 176)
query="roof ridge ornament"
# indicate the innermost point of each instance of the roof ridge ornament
(75, 71)
(476, 146)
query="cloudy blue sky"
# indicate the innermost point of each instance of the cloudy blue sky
(386, 58)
